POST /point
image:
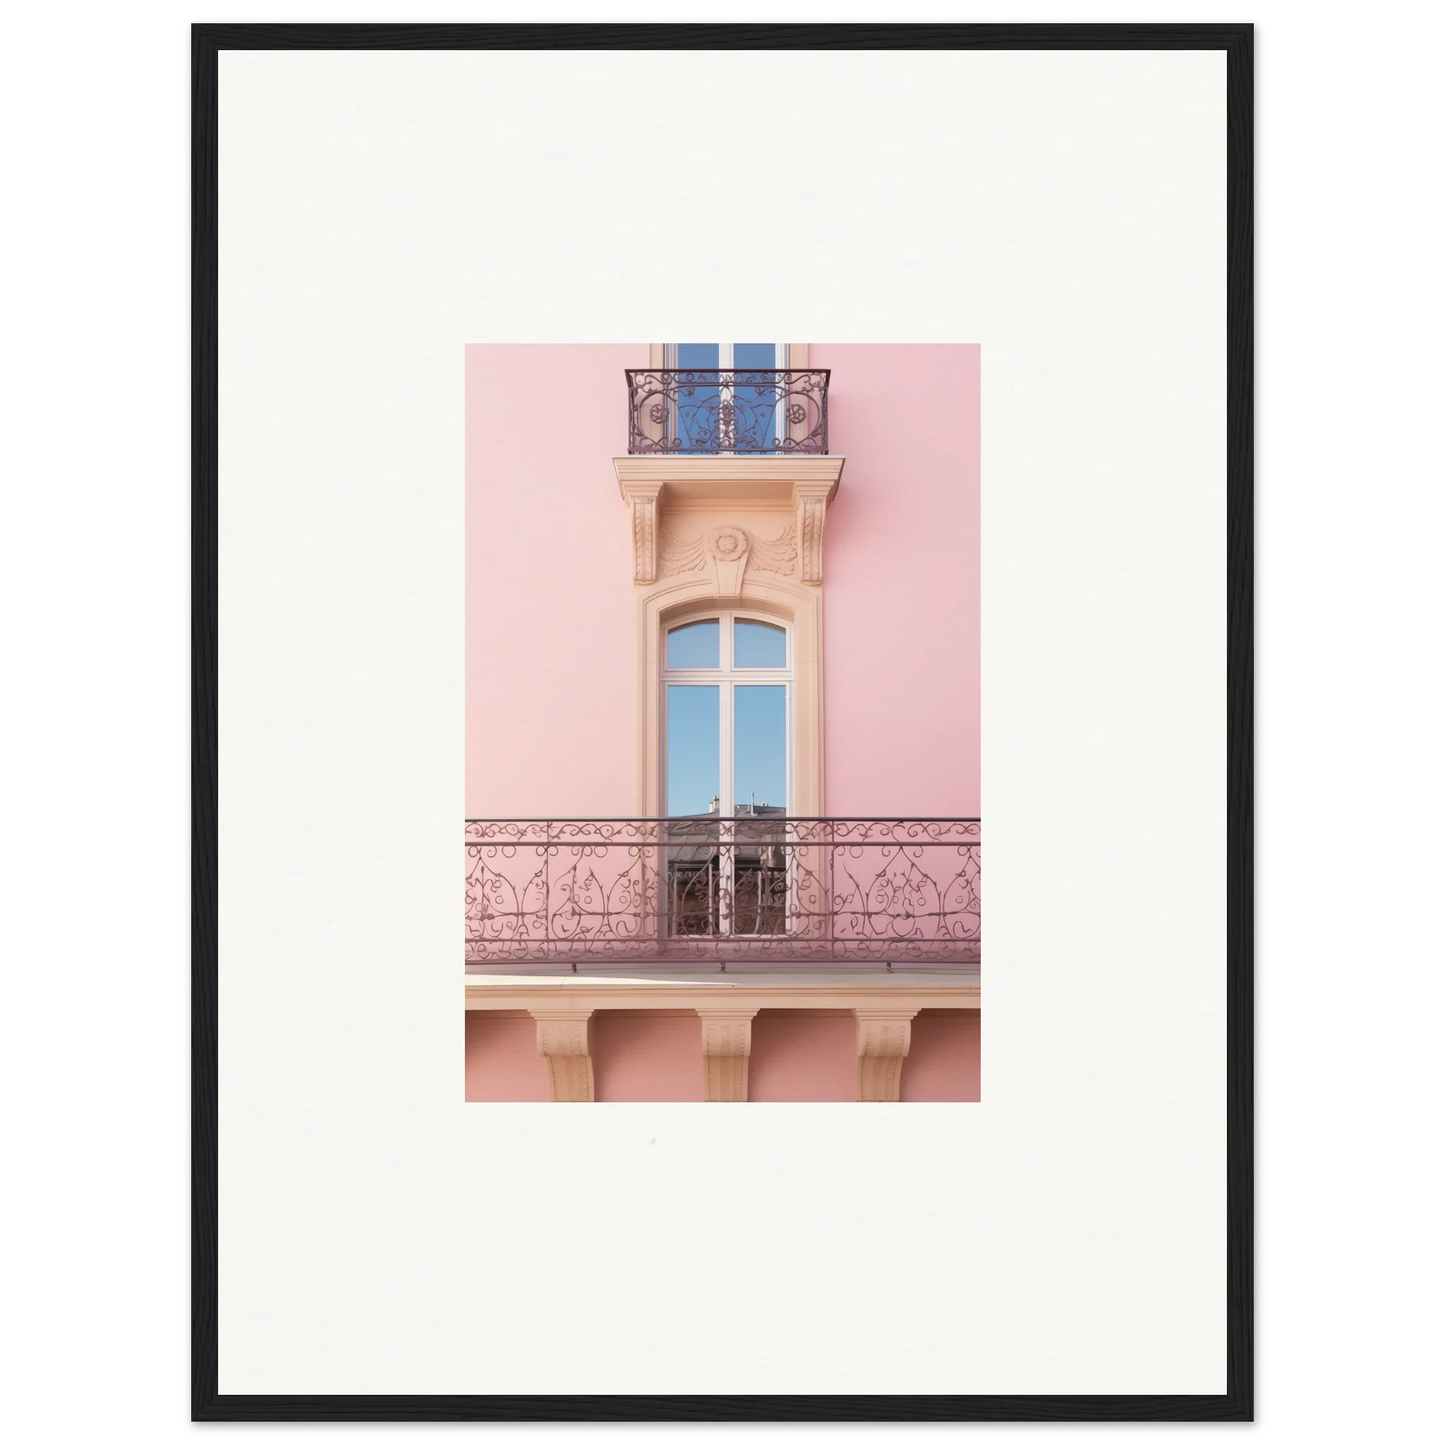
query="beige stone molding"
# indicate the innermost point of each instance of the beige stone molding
(727, 549)
(727, 1040)
(743, 532)
(731, 551)
(642, 500)
(562, 1039)
(720, 474)
(883, 1036)
(675, 599)
(561, 995)
(811, 500)
(652, 484)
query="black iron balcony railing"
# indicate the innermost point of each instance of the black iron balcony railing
(731, 413)
(760, 891)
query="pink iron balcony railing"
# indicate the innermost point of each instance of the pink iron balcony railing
(756, 890)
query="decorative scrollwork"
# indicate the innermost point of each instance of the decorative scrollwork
(760, 888)
(676, 556)
(780, 555)
(733, 412)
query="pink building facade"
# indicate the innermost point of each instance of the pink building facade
(723, 838)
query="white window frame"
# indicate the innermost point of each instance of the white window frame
(725, 363)
(724, 355)
(727, 677)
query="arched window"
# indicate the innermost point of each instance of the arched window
(727, 683)
(786, 606)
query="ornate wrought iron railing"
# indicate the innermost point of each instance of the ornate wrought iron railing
(732, 413)
(754, 890)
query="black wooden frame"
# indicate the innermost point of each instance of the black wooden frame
(1236, 1403)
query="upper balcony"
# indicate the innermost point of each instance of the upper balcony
(761, 890)
(734, 412)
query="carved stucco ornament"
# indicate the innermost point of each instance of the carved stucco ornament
(882, 1039)
(812, 505)
(643, 501)
(727, 1040)
(726, 545)
(563, 1041)
(805, 485)
(727, 550)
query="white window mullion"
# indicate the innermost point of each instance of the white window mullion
(669, 363)
(780, 404)
(725, 737)
(725, 388)
(726, 678)
(725, 805)
(788, 746)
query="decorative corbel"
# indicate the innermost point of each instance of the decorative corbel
(727, 1041)
(882, 1040)
(642, 500)
(810, 501)
(562, 1039)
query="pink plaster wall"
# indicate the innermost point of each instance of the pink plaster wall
(646, 1057)
(803, 1056)
(798, 1056)
(901, 581)
(943, 1058)
(503, 1065)
(549, 582)
(549, 594)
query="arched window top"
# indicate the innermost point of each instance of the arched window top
(695, 644)
(759, 644)
(726, 684)
(729, 641)
(790, 609)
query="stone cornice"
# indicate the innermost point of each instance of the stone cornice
(571, 993)
(705, 473)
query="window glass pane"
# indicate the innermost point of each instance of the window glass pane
(697, 400)
(755, 354)
(759, 644)
(693, 717)
(760, 746)
(694, 645)
(757, 416)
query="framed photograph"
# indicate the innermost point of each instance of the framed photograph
(585, 714)
(723, 840)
